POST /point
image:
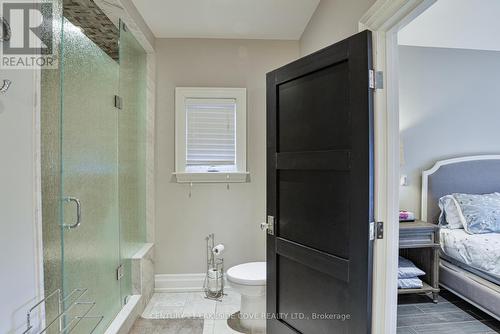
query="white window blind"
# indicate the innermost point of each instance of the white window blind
(210, 134)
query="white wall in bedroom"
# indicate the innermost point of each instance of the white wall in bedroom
(458, 24)
(233, 215)
(449, 107)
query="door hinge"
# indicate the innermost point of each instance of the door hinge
(376, 230)
(119, 272)
(118, 102)
(376, 79)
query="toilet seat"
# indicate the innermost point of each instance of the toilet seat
(253, 273)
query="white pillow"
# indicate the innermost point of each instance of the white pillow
(451, 214)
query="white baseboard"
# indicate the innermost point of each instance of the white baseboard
(179, 282)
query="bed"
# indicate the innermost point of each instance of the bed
(469, 264)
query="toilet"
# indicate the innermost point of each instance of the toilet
(249, 280)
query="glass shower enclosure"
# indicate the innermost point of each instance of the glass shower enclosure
(101, 142)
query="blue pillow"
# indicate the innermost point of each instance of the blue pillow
(407, 269)
(410, 283)
(481, 212)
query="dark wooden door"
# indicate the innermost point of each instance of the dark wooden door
(320, 191)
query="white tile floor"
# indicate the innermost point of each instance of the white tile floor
(194, 304)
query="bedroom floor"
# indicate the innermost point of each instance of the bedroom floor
(417, 314)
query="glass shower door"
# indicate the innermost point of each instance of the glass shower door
(91, 253)
(131, 153)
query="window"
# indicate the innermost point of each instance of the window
(211, 135)
(210, 127)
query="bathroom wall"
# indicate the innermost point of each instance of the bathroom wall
(442, 115)
(233, 215)
(19, 256)
(332, 21)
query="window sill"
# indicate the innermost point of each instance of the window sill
(212, 177)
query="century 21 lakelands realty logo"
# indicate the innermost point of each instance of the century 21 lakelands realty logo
(27, 35)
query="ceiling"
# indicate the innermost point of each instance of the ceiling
(461, 24)
(237, 19)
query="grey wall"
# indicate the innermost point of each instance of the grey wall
(332, 21)
(449, 107)
(233, 215)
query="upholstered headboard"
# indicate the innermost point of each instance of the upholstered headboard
(470, 175)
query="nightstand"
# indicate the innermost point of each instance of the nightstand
(419, 242)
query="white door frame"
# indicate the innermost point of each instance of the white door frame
(385, 18)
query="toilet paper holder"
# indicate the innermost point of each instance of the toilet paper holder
(214, 278)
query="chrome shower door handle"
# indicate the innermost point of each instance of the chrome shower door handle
(78, 212)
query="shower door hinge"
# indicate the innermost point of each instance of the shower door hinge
(118, 102)
(376, 230)
(119, 272)
(376, 79)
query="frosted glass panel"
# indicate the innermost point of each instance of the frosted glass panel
(89, 172)
(51, 164)
(131, 152)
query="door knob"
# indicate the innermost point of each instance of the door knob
(269, 226)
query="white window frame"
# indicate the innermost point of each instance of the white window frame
(240, 96)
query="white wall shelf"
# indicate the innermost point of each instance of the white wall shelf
(212, 177)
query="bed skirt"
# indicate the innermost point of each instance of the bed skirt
(481, 293)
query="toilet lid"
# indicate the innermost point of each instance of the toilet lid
(253, 273)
